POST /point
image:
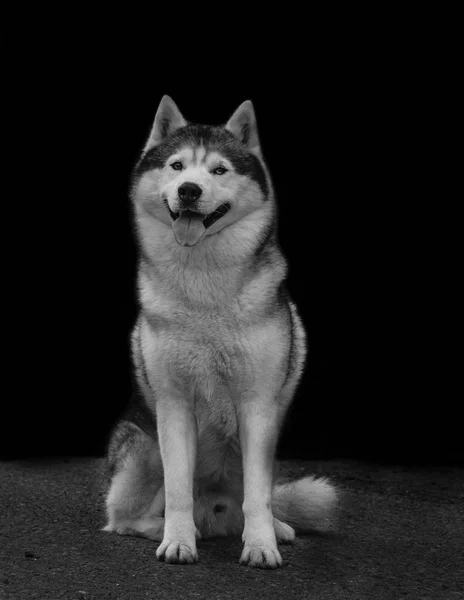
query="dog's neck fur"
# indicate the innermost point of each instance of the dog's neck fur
(209, 275)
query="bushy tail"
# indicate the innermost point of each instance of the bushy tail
(306, 504)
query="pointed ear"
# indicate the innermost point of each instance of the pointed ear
(168, 118)
(242, 124)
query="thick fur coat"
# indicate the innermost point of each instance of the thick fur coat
(218, 351)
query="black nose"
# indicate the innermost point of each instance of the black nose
(189, 193)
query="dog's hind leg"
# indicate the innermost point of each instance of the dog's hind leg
(284, 533)
(135, 500)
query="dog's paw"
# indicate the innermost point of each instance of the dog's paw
(263, 557)
(177, 553)
(152, 528)
(284, 533)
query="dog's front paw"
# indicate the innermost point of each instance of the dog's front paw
(262, 556)
(177, 553)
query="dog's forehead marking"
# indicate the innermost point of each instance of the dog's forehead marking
(191, 154)
(200, 155)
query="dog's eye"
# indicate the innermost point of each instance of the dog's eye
(177, 166)
(219, 171)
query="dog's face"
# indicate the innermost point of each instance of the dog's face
(198, 179)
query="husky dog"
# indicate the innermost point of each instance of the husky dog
(218, 350)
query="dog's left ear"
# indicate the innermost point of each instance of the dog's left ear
(168, 118)
(242, 124)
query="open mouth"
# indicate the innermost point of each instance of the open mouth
(208, 220)
(189, 226)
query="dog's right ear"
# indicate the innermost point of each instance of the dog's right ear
(168, 118)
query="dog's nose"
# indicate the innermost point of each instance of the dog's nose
(189, 193)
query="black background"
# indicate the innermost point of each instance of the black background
(328, 128)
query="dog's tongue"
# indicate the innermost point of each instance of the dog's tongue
(188, 228)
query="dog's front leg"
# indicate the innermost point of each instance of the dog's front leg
(177, 438)
(258, 427)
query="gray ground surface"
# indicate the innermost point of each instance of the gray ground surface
(401, 535)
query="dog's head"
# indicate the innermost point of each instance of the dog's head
(199, 179)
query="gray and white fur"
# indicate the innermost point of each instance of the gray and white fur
(218, 351)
